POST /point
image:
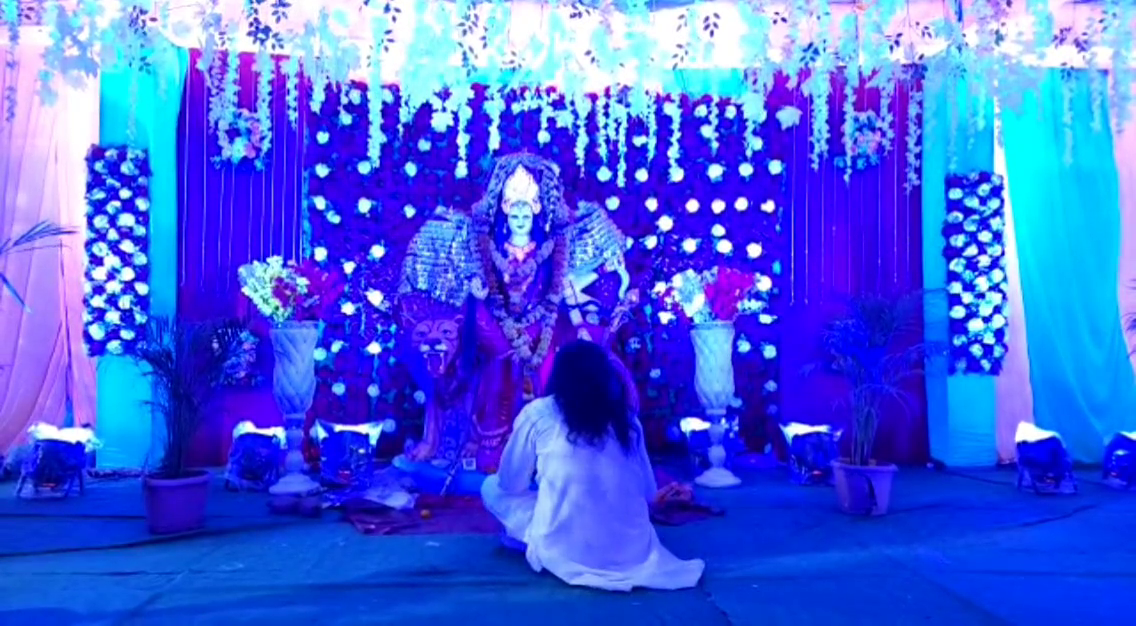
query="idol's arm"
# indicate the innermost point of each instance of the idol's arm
(573, 295)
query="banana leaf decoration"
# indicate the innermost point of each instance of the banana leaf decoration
(25, 242)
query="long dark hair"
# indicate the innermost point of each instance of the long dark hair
(591, 395)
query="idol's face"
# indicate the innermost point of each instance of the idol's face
(521, 220)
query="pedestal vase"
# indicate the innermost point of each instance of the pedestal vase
(714, 367)
(714, 386)
(294, 388)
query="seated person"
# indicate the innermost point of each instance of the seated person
(588, 522)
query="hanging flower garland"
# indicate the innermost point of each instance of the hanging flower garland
(117, 290)
(976, 272)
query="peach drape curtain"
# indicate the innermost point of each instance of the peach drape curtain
(1124, 149)
(43, 177)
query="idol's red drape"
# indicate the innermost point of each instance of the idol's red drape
(230, 215)
(846, 239)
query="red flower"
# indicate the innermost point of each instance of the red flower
(726, 292)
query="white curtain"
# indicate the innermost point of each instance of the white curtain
(43, 177)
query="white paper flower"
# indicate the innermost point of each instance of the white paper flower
(339, 389)
(692, 205)
(665, 223)
(753, 250)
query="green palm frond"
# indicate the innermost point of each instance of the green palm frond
(37, 233)
(185, 363)
(866, 347)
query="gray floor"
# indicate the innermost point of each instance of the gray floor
(958, 550)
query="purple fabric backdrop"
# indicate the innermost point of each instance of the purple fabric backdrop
(864, 236)
(228, 215)
(841, 239)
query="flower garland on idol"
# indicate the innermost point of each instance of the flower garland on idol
(289, 291)
(501, 303)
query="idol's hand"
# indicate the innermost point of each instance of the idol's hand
(582, 333)
(478, 289)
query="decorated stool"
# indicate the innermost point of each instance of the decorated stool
(58, 460)
(812, 449)
(439, 477)
(1043, 463)
(255, 457)
(347, 451)
(1118, 468)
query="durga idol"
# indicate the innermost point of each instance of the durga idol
(520, 236)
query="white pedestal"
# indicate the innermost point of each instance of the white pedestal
(717, 478)
(294, 485)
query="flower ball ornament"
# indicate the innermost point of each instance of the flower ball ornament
(976, 272)
(116, 289)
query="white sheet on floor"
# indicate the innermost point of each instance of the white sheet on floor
(588, 522)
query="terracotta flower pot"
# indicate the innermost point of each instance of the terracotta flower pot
(863, 489)
(176, 505)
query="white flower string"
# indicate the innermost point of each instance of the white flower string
(291, 69)
(914, 138)
(375, 135)
(11, 62)
(266, 76)
(674, 150)
(1068, 90)
(582, 106)
(88, 36)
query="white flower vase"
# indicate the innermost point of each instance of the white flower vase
(714, 385)
(714, 367)
(294, 387)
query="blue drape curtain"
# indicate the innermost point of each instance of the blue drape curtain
(1067, 223)
(960, 409)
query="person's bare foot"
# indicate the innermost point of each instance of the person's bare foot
(424, 451)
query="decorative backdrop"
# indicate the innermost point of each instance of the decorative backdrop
(229, 213)
(849, 237)
(685, 192)
(116, 293)
(976, 273)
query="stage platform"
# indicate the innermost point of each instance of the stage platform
(959, 550)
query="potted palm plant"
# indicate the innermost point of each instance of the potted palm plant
(186, 364)
(865, 348)
(28, 240)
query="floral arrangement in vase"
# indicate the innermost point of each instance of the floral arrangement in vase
(289, 291)
(867, 142)
(242, 140)
(719, 294)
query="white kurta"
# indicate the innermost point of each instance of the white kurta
(589, 521)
